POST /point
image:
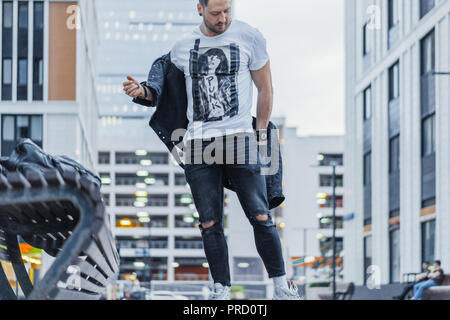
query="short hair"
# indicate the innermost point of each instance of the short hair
(204, 3)
(426, 262)
(438, 262)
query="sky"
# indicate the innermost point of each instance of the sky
(305, 40)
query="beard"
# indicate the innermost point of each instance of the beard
(213, 28)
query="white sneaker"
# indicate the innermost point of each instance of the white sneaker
(281, 293)
(220, 292)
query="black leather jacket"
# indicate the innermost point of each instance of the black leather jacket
(168, 87)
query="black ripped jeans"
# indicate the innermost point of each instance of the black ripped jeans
(205, 179)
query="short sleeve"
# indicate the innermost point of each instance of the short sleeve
(259, 55)
(174, 56)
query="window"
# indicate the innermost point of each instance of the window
(248, 269)
(38, 15)
(394, 82)
(326, 180)
(426, 6)
(393, 7)
(327, 222)
(428, 52)
(7, 54)
(428, 237)
(180, 179)
(22, 51)
(188, 243)
(428, 136)
(23, 72)
(7, 14)
(367, 256)
(23, 15)
(367, 169)
(366, 40)
(327, 202)
(367, 103)
(327, 159)
(15, 128)
(394, 154)
(103, 158)
(394, 255)
(38, 50)
(7, 71)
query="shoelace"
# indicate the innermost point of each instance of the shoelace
(293, 290)
(216, 295)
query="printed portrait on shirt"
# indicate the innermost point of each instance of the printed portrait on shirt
(214, 74)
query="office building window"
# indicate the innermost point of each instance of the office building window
(428, 136)
(328, 159)
(394, 255)
(394, 82)
(428, 238)
(248, 269)
(367, 256)
(428, 53)
(23, 72)
(327, 222)
(7, 71)
(394, 16)
(7, 14)
(367, 103)
(367, 169)
(22, 51)
(426, 6)
(7, 24)
(104, 158)
(326, 180)
(38, 50)
(15, 128)
(366, 40)
(394, 154)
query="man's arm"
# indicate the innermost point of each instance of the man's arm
(263, 82)
(135, 90)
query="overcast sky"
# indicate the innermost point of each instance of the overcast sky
(306, 45)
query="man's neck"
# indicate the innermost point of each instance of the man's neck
(206, 31)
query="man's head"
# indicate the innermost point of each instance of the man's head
(425, 265)
(437, 264)
(216, 15)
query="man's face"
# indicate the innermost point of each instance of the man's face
(216, 15)
(425, 266)
(436, 266)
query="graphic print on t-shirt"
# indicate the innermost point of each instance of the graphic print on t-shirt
(214, 74)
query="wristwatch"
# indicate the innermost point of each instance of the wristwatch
(261, 135)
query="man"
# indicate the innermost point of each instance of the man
(419, 278)
(220, 60)
(435, 278)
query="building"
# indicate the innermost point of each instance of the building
(48, 69)
(397, 138)
(308, 209)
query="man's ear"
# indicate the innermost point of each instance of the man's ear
(200, 9)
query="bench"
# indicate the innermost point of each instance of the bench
(344, 291)
(53, 204)
(441, 292)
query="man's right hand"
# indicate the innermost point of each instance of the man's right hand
(133, 88)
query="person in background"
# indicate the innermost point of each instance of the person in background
(435, 278)
(419, 278)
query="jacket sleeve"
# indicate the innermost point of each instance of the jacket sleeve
(155, 81)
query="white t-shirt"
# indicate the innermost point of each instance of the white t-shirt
(218, 79)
